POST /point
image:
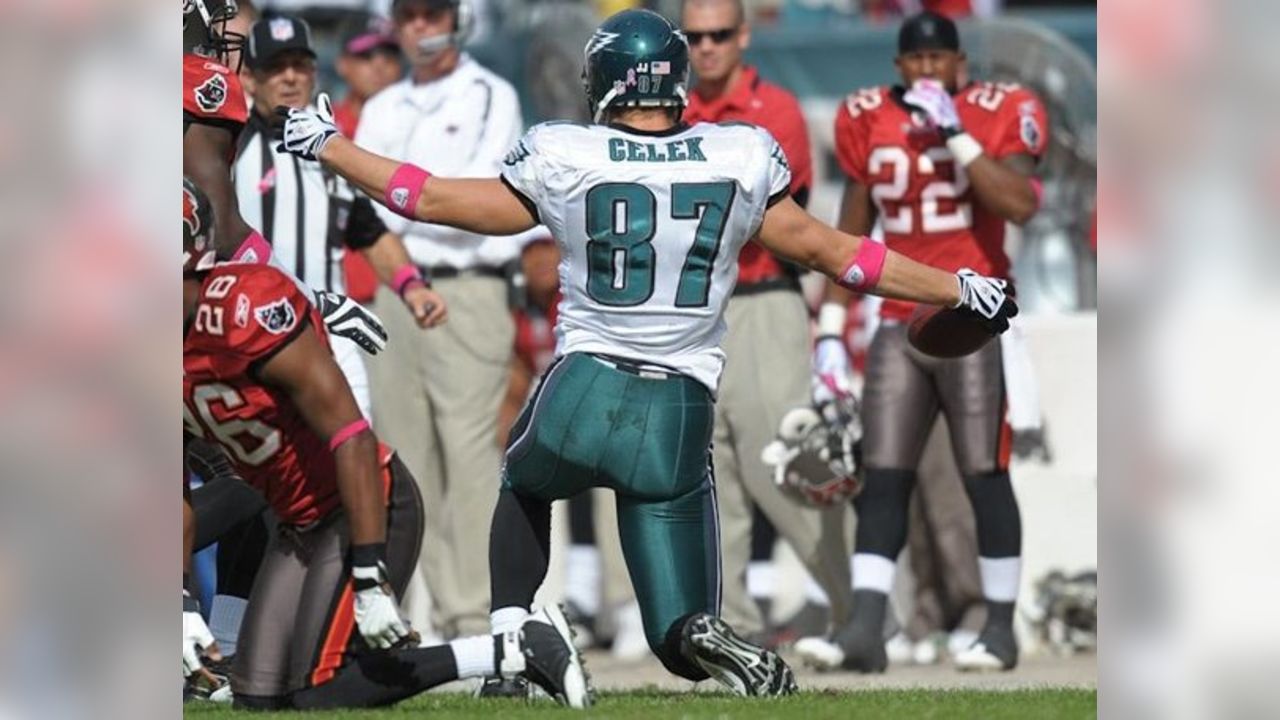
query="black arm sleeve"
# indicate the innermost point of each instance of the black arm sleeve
(364, 227)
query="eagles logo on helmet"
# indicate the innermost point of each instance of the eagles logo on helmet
(197, 230)
(816, 455)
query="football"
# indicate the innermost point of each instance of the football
(946, 332)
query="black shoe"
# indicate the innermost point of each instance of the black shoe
(213, 687)
(747, 669)
(863, 648)
(550, 659)
(995, 649)
(496, 686)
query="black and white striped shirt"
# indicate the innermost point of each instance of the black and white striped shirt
(307, 213)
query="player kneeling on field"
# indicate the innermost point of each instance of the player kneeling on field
(650, 215)
(322, 628)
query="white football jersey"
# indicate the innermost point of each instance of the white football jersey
(649, 227)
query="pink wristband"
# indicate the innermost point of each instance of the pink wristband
(348, 432)
(863, 272)
(254, 250)
(401, 194)
(405, 275)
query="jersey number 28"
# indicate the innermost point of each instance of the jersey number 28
(622, 219)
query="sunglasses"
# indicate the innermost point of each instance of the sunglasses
(717, 36)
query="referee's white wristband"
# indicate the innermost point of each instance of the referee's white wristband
(964, 148)
(831, 318)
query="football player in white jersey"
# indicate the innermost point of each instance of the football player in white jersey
(650, 215)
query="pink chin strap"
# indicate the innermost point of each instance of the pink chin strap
(255, 249)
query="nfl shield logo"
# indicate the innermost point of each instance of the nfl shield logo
(400, 196)
(276, 318)
(281, 29)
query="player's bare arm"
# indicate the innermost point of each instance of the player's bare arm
(796, 235)
(306, 371)
(1005, 186)
(479, 205)
(387, 255)
(205, 149)
(857, 218)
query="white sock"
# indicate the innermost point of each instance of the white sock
(872, 572)
(761, 579)
(814, 593)
(1000, 578)
(473, 656)
(582, 578)
(225, 614)
(507, 619)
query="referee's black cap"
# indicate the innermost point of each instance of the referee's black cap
(928, 31)
(272, 36)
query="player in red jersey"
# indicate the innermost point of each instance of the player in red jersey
(322, 628)
(944, 165)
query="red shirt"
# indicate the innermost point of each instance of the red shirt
(212, 94)
(755, 101)
(536, 337)
(925, 202)
(247, 313)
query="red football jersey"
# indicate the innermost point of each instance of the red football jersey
(247, 313)
(925, 203)
(212, 93)
(536, 337)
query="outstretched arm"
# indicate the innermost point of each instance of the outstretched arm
(480, 205)
(796, 235)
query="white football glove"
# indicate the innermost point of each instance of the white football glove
(305, 131)
(831, 369)
(377, 615)
(196, 637)
(932, 99)
(349, 319)
(986, 296)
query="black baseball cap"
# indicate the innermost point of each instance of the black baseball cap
(928, 31)
(272, 36)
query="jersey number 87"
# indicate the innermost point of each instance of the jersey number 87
(622, 219)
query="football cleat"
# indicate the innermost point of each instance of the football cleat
(497, 686)
(748, 670)
(995, 649)
(551, 660)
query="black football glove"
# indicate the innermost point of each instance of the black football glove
(349, 319)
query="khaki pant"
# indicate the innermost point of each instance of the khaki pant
(436, 395)
(767, 374)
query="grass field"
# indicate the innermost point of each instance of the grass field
(1042, 704)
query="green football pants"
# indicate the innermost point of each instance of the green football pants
(592, 424)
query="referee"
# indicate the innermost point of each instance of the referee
(307, 213)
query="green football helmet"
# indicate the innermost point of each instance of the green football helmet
(636, 58)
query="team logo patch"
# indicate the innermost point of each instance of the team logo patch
(189, 216)
(276, 318)
(281, 29)
(1030, 132)
(242, 310)
(400, 196)
(212, 93)
(779, 156)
